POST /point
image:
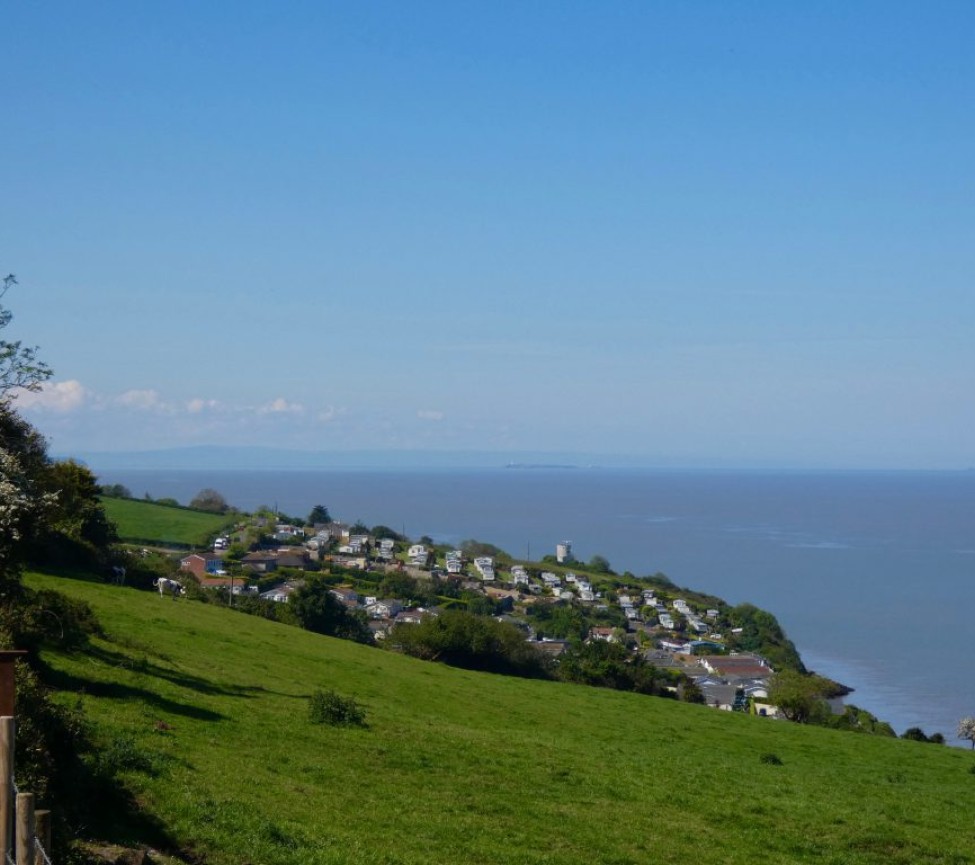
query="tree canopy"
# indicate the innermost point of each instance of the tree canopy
(20, 368)
(314, 608)
(319, 514)
(966, 730)
(209, 500)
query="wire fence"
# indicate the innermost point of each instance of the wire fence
(39, 848)
(40, 854)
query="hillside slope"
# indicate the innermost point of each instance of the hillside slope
(164, 525)
(461, 767)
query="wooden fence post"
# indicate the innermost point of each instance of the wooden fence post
(25, 829)
(42, 832)
(7, 739)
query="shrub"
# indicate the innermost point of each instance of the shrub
(328, 707)
(771, 759)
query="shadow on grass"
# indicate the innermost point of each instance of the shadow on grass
(62, 681)
(102, 808)
(147, 667)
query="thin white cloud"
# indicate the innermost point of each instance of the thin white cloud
(281, 406)
(330, 413)
(145, 400)
(60, 396)
(198, 405)
(430, 414)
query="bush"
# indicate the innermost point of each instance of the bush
(328, 707)
(771, 759)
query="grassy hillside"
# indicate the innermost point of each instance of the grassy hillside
(162, 525)
(460, 767)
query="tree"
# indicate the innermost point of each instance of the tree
(473, 548)
(462, 639)
(966, 730)
(19, 508)
(315, 608)
(116, 491)
(801, 698)
(209, 500)
(19, 367)
(319, 514)
(599, 564)
(73, 529)
(915, 734)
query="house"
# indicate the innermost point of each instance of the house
(262, 563)
(384, 609)
(607, 635)
(279, 594)
(347, 597)
(219, 582)
(410, 617)
(201, 563)
(551, 580)
(379, 628)
(737, 667)
(485, 567)
(552, 648)
(292, 559)
(418, 555)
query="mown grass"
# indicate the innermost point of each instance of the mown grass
(460, 767)
(149, 523)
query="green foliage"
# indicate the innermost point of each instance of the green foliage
(75, 529)
(562, 621)
(47, 618)
(328, 707)
(916, 734)
(801, 697)
(116, 491)
(856, 720)
(610, 665)
(462, 639)
(599, 565)
(762, 633)
(381, 532)
(319, 514)
(314, 608)
(473, 549)
(209, 500)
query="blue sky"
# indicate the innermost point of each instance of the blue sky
(735, 233)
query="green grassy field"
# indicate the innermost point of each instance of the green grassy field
(149, 523)
(461, 767)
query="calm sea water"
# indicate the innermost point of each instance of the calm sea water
(871, 574)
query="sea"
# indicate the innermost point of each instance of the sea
(871, 574)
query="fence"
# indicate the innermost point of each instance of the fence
(25, 833)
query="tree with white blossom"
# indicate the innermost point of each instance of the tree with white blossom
(966, 730)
